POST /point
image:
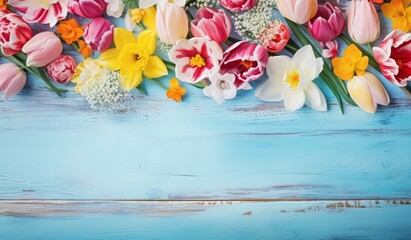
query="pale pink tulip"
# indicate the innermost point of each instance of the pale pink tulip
(172, 23)
(12, 79)
(298, 11)
(327, 24)
(247, 61)
(14, 33)
(99, 34)
(42, 49)
(87, 8)
(362, 21)
(238, 5)
(393, 56)
(215, 24)
(62, 69)
(44, 12)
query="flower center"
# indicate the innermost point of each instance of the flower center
(137, 15)
(222, 84)
(132, 56)
(293, 79)
(247, 64)
(197, 61)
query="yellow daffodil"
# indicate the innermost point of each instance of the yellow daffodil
(133, 57)
(175, 92)
(399, 11)
(138, 15)
(351, 62)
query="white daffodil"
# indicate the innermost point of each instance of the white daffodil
(222, 87)
(291, 80)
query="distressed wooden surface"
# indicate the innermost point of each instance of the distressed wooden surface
(197, 170)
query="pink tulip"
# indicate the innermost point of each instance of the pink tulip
(12, 79)
(62, 69)
(87, 8)
(238, 5)
(327, 24)
(212, 23)
(47, 12)
(14, 33)
(298, 11)
(247, 61)
(362, 21)
(42, 49)
(99, 34)
(393, 56)
(172, 23)
(275, 37)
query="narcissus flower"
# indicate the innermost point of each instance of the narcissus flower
(175, 92)
(399, 11)
(138, 15)
(133, 57)
(351, 62)
(70, 30)
(221, 87)
(291, 80)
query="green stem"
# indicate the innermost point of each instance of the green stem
(157, 83)
(407, 90)
(369, 46)
(292, 48)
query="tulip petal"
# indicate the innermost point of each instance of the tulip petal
(143, 4)
(293, 99)
(361, 94)
(130, 79)
(378, 91)
(147, 39)
(155, 68)
(269, 91)
(314, 98)
(123, 37)
(16, 85)
(109, 59)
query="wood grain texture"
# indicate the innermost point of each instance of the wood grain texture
(205, 220)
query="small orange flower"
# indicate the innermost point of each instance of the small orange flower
(84, 49)
(175, 92)
(70, 30)
(3, 4)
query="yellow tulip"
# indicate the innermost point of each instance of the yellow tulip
(133, 57)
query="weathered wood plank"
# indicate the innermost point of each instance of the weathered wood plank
(205, 220)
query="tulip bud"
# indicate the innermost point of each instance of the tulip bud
(212, 23)
(327, 24)
(171, 31)
(14, 33)
(298, 11)
(62, 69)
(362, 21)
(42, 49)
(99, 34)
(87, 8)
(12, 79)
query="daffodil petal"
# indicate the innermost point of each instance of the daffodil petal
(174, 83)
(293, 99)
(147, 39)
(352, 53)
(270, 91)
(123, 37)
(155, 68)
(149, 18)
(342, 68)
(109, 59)
(361, 94)
(361, 66)
(130, 79)
(314, 98)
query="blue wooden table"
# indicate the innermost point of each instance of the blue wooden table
(197, 170)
